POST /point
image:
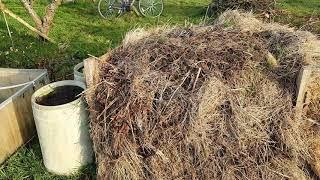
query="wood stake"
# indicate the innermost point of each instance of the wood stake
(90, 71)
(303, 81)
(9, 31)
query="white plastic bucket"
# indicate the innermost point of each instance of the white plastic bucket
(62, 130)
(77, 73)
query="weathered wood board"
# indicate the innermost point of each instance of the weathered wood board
(308, 96)
(16, 119)
(303, 81)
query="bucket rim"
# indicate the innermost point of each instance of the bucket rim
(77, 68)
(45, 89)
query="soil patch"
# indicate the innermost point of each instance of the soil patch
(60, 95)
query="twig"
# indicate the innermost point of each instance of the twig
(175, 91)
(206, 15)
(195, 82)
(94, 56)
(313, 121)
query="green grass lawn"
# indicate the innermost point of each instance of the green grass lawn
(303, 14)
(79, 31)
(27, 164)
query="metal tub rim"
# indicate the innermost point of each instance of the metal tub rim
(24, 86)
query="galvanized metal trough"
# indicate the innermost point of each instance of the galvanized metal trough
(16, 120)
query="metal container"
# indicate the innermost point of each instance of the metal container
(16, 119)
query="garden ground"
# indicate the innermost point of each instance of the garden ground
(79, 31)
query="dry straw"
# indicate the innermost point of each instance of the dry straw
(312, 116)
(213, 102)
(258, 6)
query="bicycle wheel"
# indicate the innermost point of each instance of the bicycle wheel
(151, 8)
(109, 8)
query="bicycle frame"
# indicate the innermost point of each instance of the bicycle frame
(114, 8)
(128, 5)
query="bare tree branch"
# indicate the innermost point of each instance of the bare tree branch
(49, 15)
(28, 5)
(44, 24)
(4, 9)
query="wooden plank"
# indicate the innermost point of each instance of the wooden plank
(302, 83)
(304, 79)
(90, 71)
(91, 66)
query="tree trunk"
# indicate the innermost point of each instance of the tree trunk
(48, 18)
(37, 20)
(44, 24)
(7, 11)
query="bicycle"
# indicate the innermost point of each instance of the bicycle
(114, 8)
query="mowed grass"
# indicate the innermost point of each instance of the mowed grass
(302, 14)
(27, 164)
(79, 31)
(301, 7)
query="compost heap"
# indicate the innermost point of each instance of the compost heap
(312, 113)
(258, 6)
(212, 102)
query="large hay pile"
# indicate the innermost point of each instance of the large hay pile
(312, 110)
(213, 102)
(312, 114)
(258, 6)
